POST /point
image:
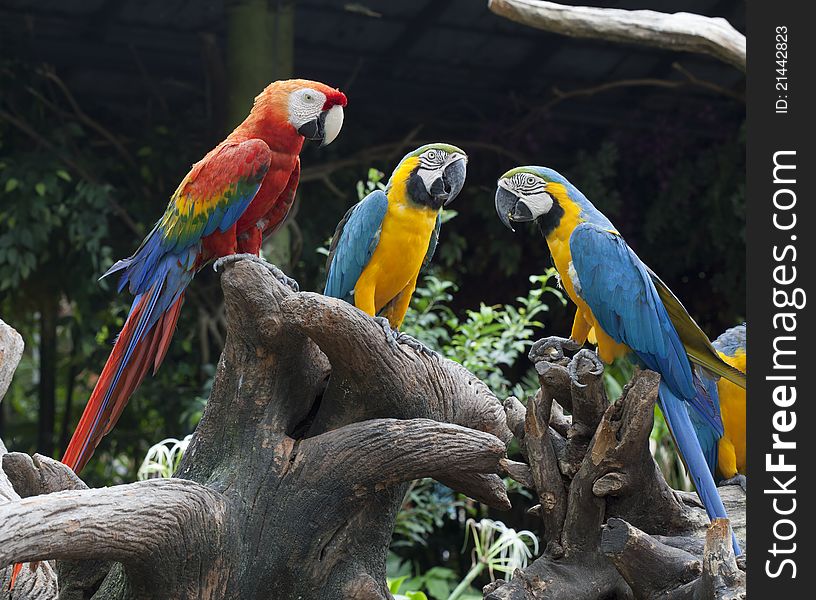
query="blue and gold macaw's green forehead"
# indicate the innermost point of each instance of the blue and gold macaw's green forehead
(545, 173)
(446, 149)
(430, 156)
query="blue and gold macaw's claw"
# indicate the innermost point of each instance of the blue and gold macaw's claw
(390, 334)
(552, 349)
(585, 362)
(415, 344)
(625, 309)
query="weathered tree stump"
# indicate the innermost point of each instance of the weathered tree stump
(612, 527)
(293, 478)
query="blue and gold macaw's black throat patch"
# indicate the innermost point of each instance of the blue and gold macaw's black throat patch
(437, 184)
(551, 219)
(419, 195)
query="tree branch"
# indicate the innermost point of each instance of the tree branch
(141, 524)
(685, 32)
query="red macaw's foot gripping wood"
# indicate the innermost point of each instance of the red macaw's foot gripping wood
(295, 473)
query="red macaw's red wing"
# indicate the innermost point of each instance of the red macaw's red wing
(251, 237)
(207, 203)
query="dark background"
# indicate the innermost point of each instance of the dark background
(105, 104)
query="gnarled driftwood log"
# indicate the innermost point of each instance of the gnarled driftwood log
(612, 526)
(291, 483)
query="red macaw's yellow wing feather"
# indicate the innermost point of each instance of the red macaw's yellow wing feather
(209, 201)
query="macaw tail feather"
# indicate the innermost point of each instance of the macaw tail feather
(677, 417)
(707, 434)
(15, 572)
(142, 344)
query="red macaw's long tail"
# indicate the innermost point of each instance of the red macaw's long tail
(126, 368)
(135, 350)
(142, 343)
(159, 282)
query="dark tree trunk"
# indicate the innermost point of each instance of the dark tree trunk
(294, 476)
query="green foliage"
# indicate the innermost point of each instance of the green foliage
(436, 583)
(374, 181)
(63, 193)
(497, 550)
(487, 339)
(425, 507)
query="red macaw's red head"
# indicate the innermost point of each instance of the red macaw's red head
(313, 109)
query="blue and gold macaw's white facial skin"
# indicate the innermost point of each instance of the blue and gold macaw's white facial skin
(525, 194)
(437, 174)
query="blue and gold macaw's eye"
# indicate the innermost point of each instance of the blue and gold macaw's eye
(527, 184)
(432, 159)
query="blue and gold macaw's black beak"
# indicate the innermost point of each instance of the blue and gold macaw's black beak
(447, 186)
(511, 209)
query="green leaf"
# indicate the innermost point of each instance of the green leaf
(11, 184)
(40, 188)
(394, 584)
(63, 174)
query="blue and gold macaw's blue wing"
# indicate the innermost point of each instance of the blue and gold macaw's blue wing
(729, 343)
(619, 290)
(353, 243)
(698, 347)
(617, 286)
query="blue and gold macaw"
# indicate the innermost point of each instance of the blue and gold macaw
(624, 308)
(384, 240)
(725, 454)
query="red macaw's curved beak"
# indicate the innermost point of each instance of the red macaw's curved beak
(326, 127)
(510, 208)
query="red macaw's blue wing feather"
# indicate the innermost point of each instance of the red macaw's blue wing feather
(353, 243)
(617, 286)
(211, 198)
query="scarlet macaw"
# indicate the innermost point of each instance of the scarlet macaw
(624, 308)
(383, 241)
(242, 189)
(239, 191)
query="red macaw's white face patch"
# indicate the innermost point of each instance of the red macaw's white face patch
(314, 116)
